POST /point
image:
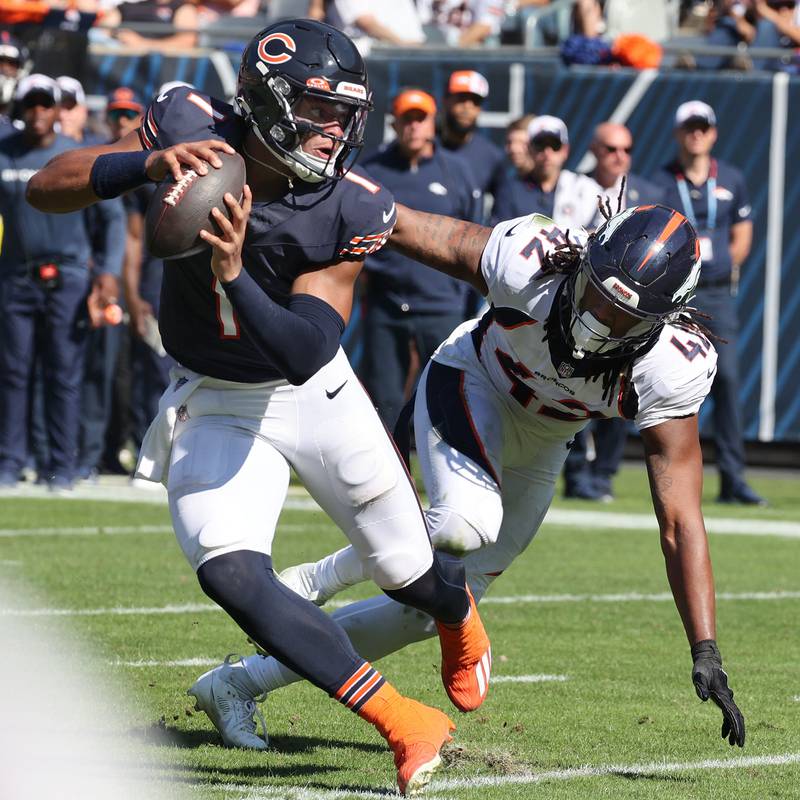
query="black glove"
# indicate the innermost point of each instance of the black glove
(710, 680)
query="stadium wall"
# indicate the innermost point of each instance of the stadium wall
(753, 110)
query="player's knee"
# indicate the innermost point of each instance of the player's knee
(396, 567)
(459, 533)
(230, 579)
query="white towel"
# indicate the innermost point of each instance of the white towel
(156, 448)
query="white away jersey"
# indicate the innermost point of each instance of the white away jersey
(671, 380)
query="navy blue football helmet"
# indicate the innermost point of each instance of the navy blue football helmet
(644, 261)
(295, 76)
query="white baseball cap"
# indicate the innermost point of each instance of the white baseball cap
(549, 125)
(38, 83)
(695, 109)
(73, 87)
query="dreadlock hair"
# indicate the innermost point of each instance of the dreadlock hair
(565, 257)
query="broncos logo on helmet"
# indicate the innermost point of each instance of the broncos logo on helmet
(301, 77)
(645, 262)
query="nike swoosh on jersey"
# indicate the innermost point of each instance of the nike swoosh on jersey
(162, 96)
(387, 215)
(331, 395)
(510, 231)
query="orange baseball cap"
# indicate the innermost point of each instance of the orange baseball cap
(467, 81)
(411, 100)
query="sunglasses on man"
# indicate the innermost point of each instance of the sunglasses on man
(695, 125)
(33, 99)
(610, 148)
(117, 114)
(543, 142)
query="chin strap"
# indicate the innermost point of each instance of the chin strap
(289, 178)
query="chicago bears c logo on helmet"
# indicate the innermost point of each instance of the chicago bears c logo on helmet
(280, 57)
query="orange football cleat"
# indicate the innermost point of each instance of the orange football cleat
(466, 660)
(415, 742)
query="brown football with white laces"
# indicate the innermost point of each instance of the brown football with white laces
(179, 210)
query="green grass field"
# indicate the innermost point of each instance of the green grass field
(584, 603)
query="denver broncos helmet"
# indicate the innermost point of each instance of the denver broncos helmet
(644, 261)
(295, 76)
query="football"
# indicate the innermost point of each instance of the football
(179, 210)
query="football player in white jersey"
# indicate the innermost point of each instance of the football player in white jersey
(577, 329)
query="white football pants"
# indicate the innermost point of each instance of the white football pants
(528, 462)
(233, 445)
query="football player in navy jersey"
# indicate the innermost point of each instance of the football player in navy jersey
(263, 385)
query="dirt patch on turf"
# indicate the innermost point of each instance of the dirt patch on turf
(496, 760)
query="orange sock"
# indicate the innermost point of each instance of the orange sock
(381, 710)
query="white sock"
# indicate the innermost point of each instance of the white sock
(341, 569)
(267, 673)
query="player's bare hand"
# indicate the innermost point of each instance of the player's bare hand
(226, 257)
(181, 157)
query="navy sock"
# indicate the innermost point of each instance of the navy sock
(295, 631)
(440, 592)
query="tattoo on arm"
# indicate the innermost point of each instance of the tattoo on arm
(450, 245)
(660, 479)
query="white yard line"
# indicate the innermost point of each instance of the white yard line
(626, 770)
(482, 782)
(521, 599)
(613, 520)
(588, 520)
(212, 662)
(181, 662)
(186, 608)
(116, 530)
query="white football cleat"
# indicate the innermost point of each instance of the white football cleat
(231, 710)
(307, 580)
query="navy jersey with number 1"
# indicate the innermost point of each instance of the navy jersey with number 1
(314, 225)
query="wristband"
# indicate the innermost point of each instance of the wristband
(706, 648)
(114, 174)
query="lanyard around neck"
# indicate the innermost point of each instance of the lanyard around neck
(686, 200)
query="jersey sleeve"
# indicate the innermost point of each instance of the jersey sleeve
(514, 255)
(368, 217)
(674, 378)
(183, 115)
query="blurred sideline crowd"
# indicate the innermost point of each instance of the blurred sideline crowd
(81, 360)
(594, 32)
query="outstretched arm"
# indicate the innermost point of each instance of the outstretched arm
(70, 182)
(675, 470)
(449, 245)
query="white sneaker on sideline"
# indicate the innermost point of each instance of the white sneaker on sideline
(231, 710)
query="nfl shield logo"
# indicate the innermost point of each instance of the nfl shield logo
(565, 370)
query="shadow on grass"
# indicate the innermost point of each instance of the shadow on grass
(652, 776)
(162, 735)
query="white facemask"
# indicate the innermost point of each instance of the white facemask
(588, 334)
